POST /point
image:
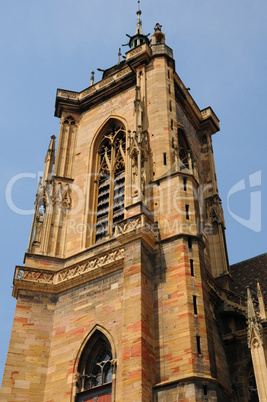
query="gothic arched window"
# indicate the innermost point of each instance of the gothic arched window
(184, 149)
(111, 180)
(95, 368)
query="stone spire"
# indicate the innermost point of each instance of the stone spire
(261, 302)
(49, 161)
(255, 330)
(250, 306)
(256, 346)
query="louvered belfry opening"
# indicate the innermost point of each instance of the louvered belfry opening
(110, 201)
(102, 207)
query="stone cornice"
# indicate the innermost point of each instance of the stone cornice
(138, 226)
(192, 377)
(114, 83)
(187, 378)
(178, 173)
(63, 179)
(79, 102)
(198, 238)
(55, 281)
(202, 120)
(209, 121)
(138, 56)
(108, 257)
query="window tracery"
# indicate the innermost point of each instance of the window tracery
(111, 181)
(100, 371)
(95, 369)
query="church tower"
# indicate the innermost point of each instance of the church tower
(127, 258)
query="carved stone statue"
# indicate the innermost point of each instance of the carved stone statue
(38, 227)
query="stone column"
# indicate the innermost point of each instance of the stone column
(138, 360)
(260, 368)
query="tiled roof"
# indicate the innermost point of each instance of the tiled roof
(247, 273)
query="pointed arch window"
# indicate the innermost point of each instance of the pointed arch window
(184, 149)
(111, 181)
(95, 370)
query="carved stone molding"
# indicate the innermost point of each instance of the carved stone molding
(87, 92)
(34, 276)
(90, 91)
(55, 281)
(50, 196)
(138, 153)
(255, 344)
(128, 225)
(113, 362)
(106, 82)
(77, 376)
(68, 94)
(123, 72)
(255, 333)
(214, 210)
(87, 266)
(138, 226)
(135, 51)
(138, 142)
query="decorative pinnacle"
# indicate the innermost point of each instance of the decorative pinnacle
(92, 78)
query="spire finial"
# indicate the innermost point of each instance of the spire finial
(139, 12)
(139, 22)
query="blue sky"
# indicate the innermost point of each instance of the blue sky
(220, 52)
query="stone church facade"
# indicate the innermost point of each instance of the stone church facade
(126, 289)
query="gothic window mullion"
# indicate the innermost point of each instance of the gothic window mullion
(118, 202)
(102, 374)
(83, 381)
(122, 150)
(110, 215)
(111, 192)
(106, 157)
(103, 206)
(103, 198)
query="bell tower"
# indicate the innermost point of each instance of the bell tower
(126, 265)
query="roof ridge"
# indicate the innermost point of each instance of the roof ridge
(252, 258)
